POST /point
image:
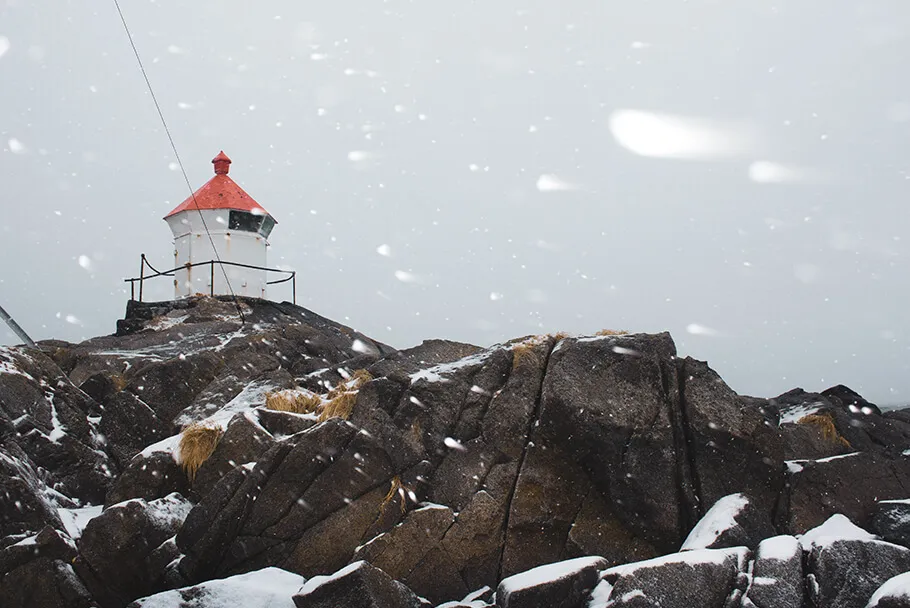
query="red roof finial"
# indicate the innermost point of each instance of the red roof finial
(222, 163)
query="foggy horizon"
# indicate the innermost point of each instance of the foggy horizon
(736, 174)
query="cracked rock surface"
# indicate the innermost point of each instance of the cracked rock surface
(454, 468)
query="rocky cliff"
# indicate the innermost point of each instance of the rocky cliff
(210, 451)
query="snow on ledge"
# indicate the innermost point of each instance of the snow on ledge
(837, 527)
(690, 558)
(795, 466)
(266, 588)
(780, 548)
(75, 520)
(719, 518)
(437, 372)
(544, 574)
(318, 581)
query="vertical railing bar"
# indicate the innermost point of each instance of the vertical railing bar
(141, 275)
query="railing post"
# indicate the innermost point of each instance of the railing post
(132, 289)
(141, 275)
(294, 287)
(212, 278)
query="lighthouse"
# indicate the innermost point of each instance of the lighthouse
(220, 222)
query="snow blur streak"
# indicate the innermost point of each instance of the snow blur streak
(666, 136)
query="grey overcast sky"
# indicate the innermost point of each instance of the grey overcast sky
(735, 172)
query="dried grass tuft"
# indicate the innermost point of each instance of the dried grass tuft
(293, 401)
(524, 352)
(353, 382)
(825, 424)
(119, 382)
(197, 442)
(340, 406)
(361, 377)
(560, 335)
(397, 488)
(612, 332)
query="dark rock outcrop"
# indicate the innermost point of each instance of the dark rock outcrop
(446, 467)
(845, 573)
(149, 478)
(53, 422)
(849, 484)
(891, 521)
(115, 548)
(44, 583)
(733, 521)
(706, 577)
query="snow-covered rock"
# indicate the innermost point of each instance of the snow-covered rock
(358, 585)
(891, 521)
(846, 564)
(563, 584)
(733, 521)
(702, 577)
(894, 593)
(266, 588)
(116, 545)
(777, 575)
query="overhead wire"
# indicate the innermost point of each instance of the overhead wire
(186, 178)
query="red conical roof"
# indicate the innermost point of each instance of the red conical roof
(220, 192)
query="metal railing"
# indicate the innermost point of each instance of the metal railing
(292, 275)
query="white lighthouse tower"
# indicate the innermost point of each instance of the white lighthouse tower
(239, 229)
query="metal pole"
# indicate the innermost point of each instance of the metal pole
(132, 289)
(141, 275)
(16, 329)
(294, 287)
(212, 278)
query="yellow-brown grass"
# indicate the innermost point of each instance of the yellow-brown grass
(352, 383)
(397, 488)
(524, 352)
(612, 332)
(361, 377)
(291, 401)
(825, 424)
(197, 442)
(560, 335)
(340, 406)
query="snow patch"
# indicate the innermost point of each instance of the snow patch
(896, 587)
(795, 466)
(8, 364)
(75, 520)
(318, 581)
(837, 527)
(436, 373)
(170, 510)
(781, 548)
(719, 518)
(58, 431)
(691, 558)
(266, 588)
(793, 414)
(600, 595)
(170, 445)
(544, 574)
